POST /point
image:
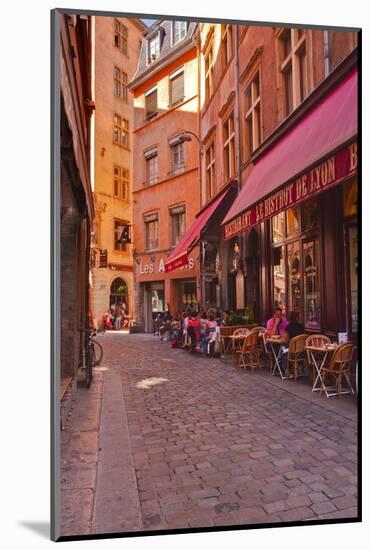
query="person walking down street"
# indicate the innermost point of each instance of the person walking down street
(118, 316)
(203, 332)
(186, 338)
(194, 331)
(212, 325)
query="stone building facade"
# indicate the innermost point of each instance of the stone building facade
(257, 85)
(116, 47)
(166, 193)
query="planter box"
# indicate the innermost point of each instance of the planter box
(228, 330)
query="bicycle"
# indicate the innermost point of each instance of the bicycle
(90, 349)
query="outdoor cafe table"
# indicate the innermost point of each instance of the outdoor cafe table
(232, 339)
(273, 343)
(318, 355)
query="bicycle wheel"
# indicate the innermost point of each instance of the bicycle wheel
(98, 352)
(89, 366)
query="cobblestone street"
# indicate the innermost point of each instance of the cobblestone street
(166, 440)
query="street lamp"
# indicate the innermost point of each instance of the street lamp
(185, 137)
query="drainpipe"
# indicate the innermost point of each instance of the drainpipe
(326, 51)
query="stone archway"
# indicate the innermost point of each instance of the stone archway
(119, 293)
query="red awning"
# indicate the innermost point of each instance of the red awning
(331, 123)
(179, 255)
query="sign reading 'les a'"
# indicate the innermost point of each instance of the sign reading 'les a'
(319, 178)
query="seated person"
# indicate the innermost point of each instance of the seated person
(194, 331)
(276, 326)
(108, 319)
(293, 328)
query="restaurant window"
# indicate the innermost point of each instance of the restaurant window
(119, 226)
(293, 68)
(151, 103)
(120, 84)
(350, 191)
(279, 282)
(121, 183)
(312, 303)
(121, 131)
(177, 157)
(310, 215)
(278, 227)
(210, 171)
(227, 44)
(121, 37)
(176, 88)
(294, 278)
(253, 115)
(353, 271)
(292, 221)
(229, 147)
(151, 159)
(179, 31)
(177, 216)
(154, 48)
(151, 231)
(209, 73)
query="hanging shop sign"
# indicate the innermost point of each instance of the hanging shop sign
(331, 171)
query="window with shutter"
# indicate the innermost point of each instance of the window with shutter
(177, 88)
(151, 104)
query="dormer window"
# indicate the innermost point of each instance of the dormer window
(154, 48)
(179, 31)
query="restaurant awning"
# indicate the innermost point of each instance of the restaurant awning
(179, 255)
(274, 183)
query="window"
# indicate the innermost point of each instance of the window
(177, 87)
(209, 77)
(151, 103)
(296, 261)
(253, 114)
(179, 31)
(228, 145)
(177, 215)
(227, 44)
(121, 183)
(121, 37)
(151, 158)
(154, 48)
(293, 68)
(120, 84)
(119, 227)
(312, 305)
(210, 171)
(121, 131)
(279, 283)
(294, 277)
(177, 157)
(151, 231)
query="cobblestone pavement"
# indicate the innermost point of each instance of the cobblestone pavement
(211, 445)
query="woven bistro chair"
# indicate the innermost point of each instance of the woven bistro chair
(338, 368)
(315, 340)
(264, 355)
(237, 344)
(296, 356)
(248, 355)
